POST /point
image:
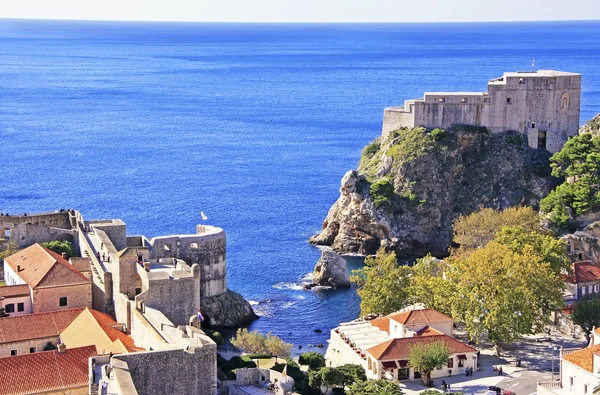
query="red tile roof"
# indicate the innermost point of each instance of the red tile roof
(39, 266)
(584, 271)
(421, 316)
(427, 331)
(36, 326)
(400, 348)
(45, 371)
(14, 290)
(583, 358)
(382, 323)
(106, 322)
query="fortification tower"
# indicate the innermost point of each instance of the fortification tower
(543, 105)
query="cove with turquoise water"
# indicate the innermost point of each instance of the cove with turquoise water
(254, 124)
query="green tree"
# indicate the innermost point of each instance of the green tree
(374, 387)
(427, 357)
(503, 292)
(325, 376)
(480, 227)
(578, 164)
(60, 246)
(352, 374)
(586, 314)
(382, 191)
(382, 284)
(312, 359)
(274, 345)
(252, 342)
(427, 285)
(10, 248)
(548, 248)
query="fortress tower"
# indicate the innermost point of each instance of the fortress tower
(543, 105)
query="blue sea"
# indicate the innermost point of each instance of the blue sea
(254, 124)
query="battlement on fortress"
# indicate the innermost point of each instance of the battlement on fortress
(544, 105)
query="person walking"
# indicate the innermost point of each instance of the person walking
(444, 386)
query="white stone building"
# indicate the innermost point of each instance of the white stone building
(382, 345)
(543, 105)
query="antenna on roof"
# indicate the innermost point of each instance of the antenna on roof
(533, 64)
(203, 216)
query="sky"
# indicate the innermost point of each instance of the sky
(304, 10)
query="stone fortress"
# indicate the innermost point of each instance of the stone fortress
(197, 261)
(543, 105)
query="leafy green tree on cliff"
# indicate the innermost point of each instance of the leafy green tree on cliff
(578, 164)
(382, 284)
(587, 315)
(257, 343)
(427, 357)
(60, 246)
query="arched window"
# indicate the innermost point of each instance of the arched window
(565, 101)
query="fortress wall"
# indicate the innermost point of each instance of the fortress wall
(37, 228)
(395, 118)
(115, 230)
(208, 249)
(444, 115)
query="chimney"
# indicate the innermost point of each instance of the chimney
(62, 348)
(147, 266)
(18, 268)
(64, 255)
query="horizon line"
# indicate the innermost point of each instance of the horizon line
(295, 22)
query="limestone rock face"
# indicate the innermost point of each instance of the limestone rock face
(227, 310)
(411, 187)
(331, 271)
(592, 126)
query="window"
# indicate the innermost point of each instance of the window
(596, 288)
(521, 81)
(450, 362)
(460, 363)
(31, 350)
(13, 353)
(542, 139)
(486, 99)
(590, 289)
(9, 308)
(508, 100)
(532, 125)
(582, 291)
(20, 306)
(464, 100)
(62, 301)
(442, 100)
(565, 102)
(585, 388)
(167, 247)
(569, 247)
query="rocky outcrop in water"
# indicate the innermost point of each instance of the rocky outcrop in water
(410, 188)
(331, 271)
(227, 310)
(592, 126)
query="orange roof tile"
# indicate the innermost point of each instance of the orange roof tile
(39, 266)
(45, 371)
(400, 348)
(584, 271)
(382, 323)
(421, 316)
(583, 358)
(36, 326)
(14, 290)
(427, 331)
(92, 327)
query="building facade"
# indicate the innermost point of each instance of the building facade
(543, 105)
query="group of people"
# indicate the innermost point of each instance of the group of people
(499, 370)
(103, 257)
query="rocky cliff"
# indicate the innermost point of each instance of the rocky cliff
(227, 310)
(409, 188)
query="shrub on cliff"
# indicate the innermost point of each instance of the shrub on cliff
(382, 191)
(578, 164)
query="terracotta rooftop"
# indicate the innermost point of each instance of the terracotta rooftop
(46, 371)
(36, 326)
(92, 327)
(400, 348)
(14, 290)
(421, 316)
(427, 331)
(584, 271)
(39, 266)
(382, 323)
(583, 358)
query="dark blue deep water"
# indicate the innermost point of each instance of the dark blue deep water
(252, 124)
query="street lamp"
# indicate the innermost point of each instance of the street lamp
(554, 348)
(517, 362)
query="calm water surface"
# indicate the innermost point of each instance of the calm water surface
(252, 124)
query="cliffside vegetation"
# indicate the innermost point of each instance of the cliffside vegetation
(578, 166)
